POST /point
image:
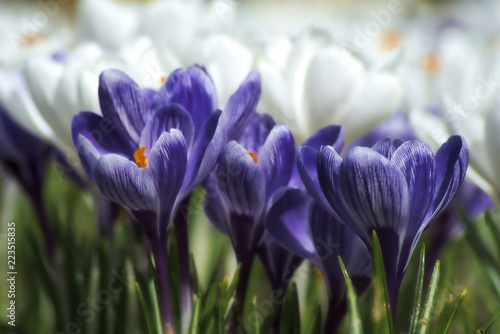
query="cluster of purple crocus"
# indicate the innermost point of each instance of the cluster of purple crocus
(277, 201)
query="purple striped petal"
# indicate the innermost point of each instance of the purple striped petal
(374, 192)
(207, 148)
(332, 135)
(102, 134)
(216, 205)
(193, 89)
(286, 221)
(331, 239)
(307, 164)
(256, 132)
(329, 162)
(277, 158)
(242, 181)
(241, 106)
(172, 116)
(123, 102)
(167, 162)
(452, 160)
(387, 146)
(416, 161)
(123, 182)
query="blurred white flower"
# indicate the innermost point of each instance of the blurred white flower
(317, 83)
(227, 60)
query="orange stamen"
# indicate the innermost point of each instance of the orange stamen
(162, 79)
(253, 155)
(31, 38)
(431, 63)
(140, 158)
(390, 40)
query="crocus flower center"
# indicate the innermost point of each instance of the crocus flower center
(140, 158)
(162, 79)
(253, 155)
(431, 63)
(390, 40)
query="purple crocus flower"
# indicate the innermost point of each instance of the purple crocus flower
(302, 226)
(394, 188)
(248, 173)
(25, 156)
(156, 147)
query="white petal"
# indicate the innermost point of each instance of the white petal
(107, 22)
(227, 61)
(374, 101)
(332, 77)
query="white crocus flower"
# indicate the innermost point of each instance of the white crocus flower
(29, 29)
(466, 90)
(171, 23)
(227, 60)
(108, 23)
(17, 100)
(326, 84)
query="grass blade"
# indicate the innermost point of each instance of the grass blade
(430, 302)
(445, 320)
(493, 229)
(145, 308)
(255, 317)
(193, 326)
(418, 292)
(380, 283)
(487, 324)
(355, 322)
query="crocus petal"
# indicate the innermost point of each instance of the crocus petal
(216, 206)
(307, 164)
(452, 159)
(332, 135)
(205, 154)
(242, 181)
(172, 116)
(256, 132)
(375, 192)
(286, 221)
(387, 146)
(102, 134)
(241, 106)
(167, 162)
(191, 88)
(416, 161)
(123, 102)
(88, 154)
(122, 181)
(277, 158)
(328, 164)
(333, 238)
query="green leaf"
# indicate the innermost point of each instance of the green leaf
(193, 326)
(487, 324)
(488, 262)
(355, 322)
(156, 307)
(290, 319)
(418, 292)
(448, 313)
(380, 286)
(145, 308)
(430, 302)
(315, 326)
(493, 229)
(255, 318)
(231, 289)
